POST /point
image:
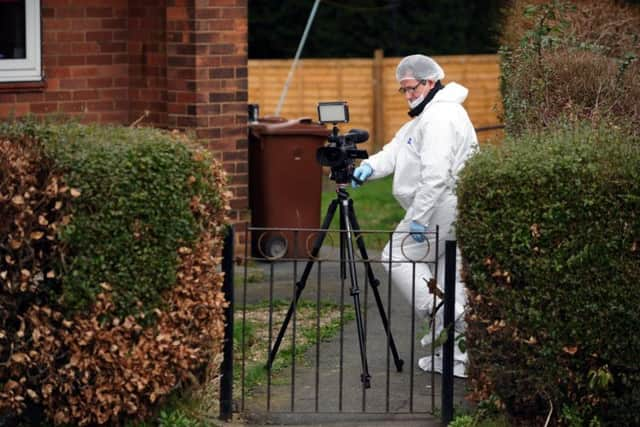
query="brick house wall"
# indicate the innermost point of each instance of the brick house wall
(175, 63)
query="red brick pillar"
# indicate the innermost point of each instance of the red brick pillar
(207, 83)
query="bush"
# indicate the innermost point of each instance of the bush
(570, 62)
(550, 228)
(132, 213)
(110, 291)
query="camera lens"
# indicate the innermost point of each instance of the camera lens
(330, 156)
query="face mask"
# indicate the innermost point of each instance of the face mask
(413, 104)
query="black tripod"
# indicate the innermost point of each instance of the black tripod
(349, 229)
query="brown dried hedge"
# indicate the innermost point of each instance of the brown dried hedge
(566, 62)
(94, 366)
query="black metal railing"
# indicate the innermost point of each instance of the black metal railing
(315, 373)
(226, 368)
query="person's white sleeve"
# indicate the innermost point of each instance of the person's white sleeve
(383, 162)
(436, 157)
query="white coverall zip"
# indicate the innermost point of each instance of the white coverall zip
(425, 156)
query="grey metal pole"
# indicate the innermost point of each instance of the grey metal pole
(449, 324)
(297, 57)
(226, 368)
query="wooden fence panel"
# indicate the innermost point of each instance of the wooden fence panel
(356, 81)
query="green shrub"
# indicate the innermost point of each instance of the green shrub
(462, 421)
(132, 213)
(550, 228)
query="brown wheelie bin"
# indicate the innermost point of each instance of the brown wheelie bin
(285, 185)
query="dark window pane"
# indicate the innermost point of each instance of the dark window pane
(12, 29)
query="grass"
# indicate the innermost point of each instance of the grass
(375, 209)
(479, 419)
(256, 338)
(472, 421)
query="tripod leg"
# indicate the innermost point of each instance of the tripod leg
(347, 236)
(300, 285)
(343, 227)
(373, 280)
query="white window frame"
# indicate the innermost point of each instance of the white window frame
(28, 69)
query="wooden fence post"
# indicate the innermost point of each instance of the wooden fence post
(378, 100)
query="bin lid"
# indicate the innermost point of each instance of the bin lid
(278, 126)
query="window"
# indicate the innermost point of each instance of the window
(20, 59)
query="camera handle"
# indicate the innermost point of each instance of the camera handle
(335, 132)
(349, 229)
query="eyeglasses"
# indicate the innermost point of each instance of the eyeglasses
(410, 89)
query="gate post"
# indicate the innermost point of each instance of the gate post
(226, 368)
(449, 324)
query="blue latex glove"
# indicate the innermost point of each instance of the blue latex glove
(417, 231)
(362, 172)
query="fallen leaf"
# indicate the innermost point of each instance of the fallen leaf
(535, 230)
(20, 358)
(37, 235)
(106, 286)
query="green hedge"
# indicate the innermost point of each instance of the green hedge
(132, 214)
(550, 228)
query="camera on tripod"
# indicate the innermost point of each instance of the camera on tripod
(341, 151)
(339, 154)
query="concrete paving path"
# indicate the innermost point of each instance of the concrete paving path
(325, 389)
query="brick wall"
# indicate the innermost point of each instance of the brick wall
(183, 62)
(147, 61)
(84, 46)
(207, 82)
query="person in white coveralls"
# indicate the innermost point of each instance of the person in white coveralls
(425, 157)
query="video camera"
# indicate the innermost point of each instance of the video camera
(340, 152)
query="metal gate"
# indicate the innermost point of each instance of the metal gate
(319, 331)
